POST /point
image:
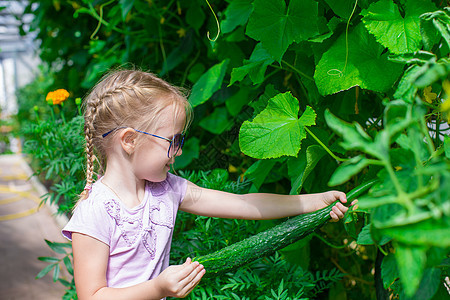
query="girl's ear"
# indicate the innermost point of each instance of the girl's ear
(128, 140)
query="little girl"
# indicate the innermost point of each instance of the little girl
(122, 226)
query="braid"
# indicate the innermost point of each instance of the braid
(89, 133)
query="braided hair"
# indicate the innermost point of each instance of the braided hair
(125, 98)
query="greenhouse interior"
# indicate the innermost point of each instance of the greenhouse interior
(238, 149)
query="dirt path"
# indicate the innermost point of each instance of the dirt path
(23, 228)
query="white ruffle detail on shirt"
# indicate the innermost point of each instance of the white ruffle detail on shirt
(149, 240)
(161, 214)
(130, 227)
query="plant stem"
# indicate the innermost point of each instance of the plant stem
(188, 68)
(52, 113)
(327, 242)
(438, 127)
(436, 153)
(394, 178)
(297, 70)
(36, 113)
(101, 20)
(62, 113)
(382, 250)
(434, 107)
(425, 190)
(426, 133)
(325, 147)
(403, 198)
(161, 43)
(375, 162)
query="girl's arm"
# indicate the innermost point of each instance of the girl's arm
(90, 258)
(258, 206)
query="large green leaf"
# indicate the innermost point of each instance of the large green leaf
(349, 168)
(277, 130)
(355, 138)
(342, 8)
(236, 102)
(259, 170)
(435, 71)
(236, 14)
(262, 101)
(277, 27)
(208, 83)
(255, 67)
(399, 34)
(434, 24)
(361, 62)
(126, 6)
(179, 54)
(430, 232)
(428, 286)
(195, 16)
(406, 89)
(447, 146)
(298, 253)
(421, 76)
(364, 237)
(217, 122)
(389, 271)
(300, 167)
(411, 264)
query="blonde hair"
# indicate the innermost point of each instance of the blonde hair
(125, 98)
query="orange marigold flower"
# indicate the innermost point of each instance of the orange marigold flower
(58, 96)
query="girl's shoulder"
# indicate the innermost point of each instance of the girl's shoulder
(172, 184)
(92, 216)
(97, 196)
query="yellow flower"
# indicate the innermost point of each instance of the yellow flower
(181, 32)
(58, 96)
(428, 95)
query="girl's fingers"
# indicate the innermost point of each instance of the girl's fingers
(194, 268)
(186, 268)
(190, 282)
(334, 217)
(342, 197)
(339, 211)
(342, 208)
(194, 282)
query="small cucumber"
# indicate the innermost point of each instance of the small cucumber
(271, 240)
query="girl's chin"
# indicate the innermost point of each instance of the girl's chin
(158, 179)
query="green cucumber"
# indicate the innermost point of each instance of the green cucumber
(271, 240)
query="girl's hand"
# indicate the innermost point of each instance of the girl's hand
(338, 209)
(178, 281)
